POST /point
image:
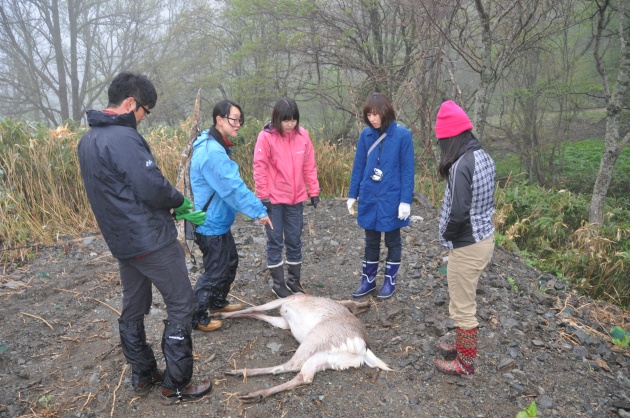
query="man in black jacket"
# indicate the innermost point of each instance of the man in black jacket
(132, 201)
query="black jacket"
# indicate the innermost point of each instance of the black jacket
(130, 197)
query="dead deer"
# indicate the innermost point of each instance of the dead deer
(330, 337)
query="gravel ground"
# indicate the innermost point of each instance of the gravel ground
(538, 340)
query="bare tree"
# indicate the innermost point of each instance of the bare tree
(616, 99)
(489, 35)
(58, 56)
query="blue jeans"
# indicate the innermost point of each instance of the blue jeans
(373, 245)
(287, 230)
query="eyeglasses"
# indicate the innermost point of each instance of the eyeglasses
(146, 111)
(234, 121)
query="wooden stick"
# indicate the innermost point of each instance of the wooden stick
(119, 383)
(40, 318)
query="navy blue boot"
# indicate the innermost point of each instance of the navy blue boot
(368, 279)
(389, 284)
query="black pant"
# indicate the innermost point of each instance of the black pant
(166, 270)
(373, 245)
(220, 261)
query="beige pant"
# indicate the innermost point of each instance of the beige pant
(462, 274)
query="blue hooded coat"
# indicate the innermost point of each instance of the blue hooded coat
(378, 200)
(212, 172)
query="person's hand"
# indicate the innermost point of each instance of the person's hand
(197, 217)
(184, 208)
(267, 205)
(315, 201)
(266, 221)
(404, 210)
(350, 203)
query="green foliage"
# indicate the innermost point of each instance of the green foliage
(512, 283)
(530, 412)
(579, 168)
(582, 160)
(46, 400)
(550, 228)
(620, 337)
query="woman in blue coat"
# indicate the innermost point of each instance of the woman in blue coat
(382, 183)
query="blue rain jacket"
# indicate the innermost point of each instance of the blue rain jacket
(213, 172)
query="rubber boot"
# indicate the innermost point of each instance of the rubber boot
(368, 279)
(389, 284)
(144, 371)
(293, 281)
(466, 347)
(279, 287)
(446, 350)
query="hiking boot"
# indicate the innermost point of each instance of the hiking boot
(144, 387)
(189, 391)
(212, 325)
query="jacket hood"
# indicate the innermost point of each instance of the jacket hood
(99, 118)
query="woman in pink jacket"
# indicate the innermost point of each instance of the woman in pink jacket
(285, 175)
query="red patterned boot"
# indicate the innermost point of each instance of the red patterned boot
(466, 347)
(446, 350)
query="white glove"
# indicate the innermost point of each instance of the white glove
(350, 203)
(404, 210)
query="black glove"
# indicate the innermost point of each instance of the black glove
(315, 201)
(267, 204)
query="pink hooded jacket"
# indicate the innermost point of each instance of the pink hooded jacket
(284, 167)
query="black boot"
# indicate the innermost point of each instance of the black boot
(279, 288)
(293, 281)
(144, 371)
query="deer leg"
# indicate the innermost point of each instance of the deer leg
(293, 365)
(276, 321)
(318, 362)
(274, 304)
(355, 307)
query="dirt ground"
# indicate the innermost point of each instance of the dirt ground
(538, 340)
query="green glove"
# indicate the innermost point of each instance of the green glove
(197, 217)
(184, 208)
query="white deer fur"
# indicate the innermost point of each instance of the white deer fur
(330, 337)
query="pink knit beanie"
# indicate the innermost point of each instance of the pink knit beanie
(451, 121)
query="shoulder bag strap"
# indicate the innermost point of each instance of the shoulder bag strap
(380, 138)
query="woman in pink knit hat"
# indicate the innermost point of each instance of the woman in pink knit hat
(466, 230)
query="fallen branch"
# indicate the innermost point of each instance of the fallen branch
(40, 318)
(119, 383)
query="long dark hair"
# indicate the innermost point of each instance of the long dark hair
(378, 103)
(451, 149)
(285, 109)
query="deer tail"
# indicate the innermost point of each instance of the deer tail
(373, 361)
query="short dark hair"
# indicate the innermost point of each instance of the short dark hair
(128, 84)
(451, 149)
(378, 103)
(285, 109)
(223, 109)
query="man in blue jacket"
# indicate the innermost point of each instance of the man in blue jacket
(132, 201)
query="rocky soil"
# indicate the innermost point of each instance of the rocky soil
(539, 341)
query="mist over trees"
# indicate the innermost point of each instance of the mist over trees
(523, 69)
